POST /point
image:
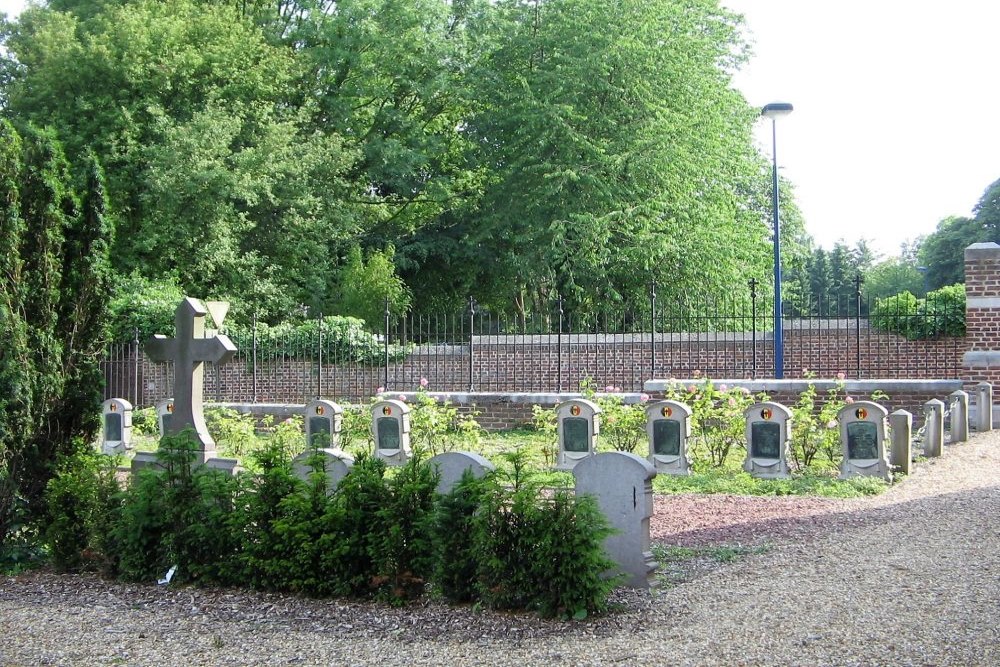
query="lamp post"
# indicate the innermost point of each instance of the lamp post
(775, 110)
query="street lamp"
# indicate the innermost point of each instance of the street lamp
(775, 110)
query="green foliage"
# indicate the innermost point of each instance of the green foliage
(437, 426)
(54, 278)
(234, 433)
(143, 306)
(816, 430)
(367, 287)
(623, 425)
(717, 419)
(81, 502)
(941, 313)
(454, 520)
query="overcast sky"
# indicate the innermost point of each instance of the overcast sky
(896, 109)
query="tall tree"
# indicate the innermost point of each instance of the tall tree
(943, 251)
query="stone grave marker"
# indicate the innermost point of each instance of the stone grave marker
(984, 407)
(116, 434)
(391, 431)
(189, 351)
(933, 427)
(323, 421)
(336, 464)
(668, 427)
(578, 423)
(452, 465)
(863, 433)
(768, 432)
(164, 415)
(901, 429)
(959, 416)
(622, 483)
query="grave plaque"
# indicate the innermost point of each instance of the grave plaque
(577, 426)
(668, 427)
(323, 421)
(391, 431)
(863, 433)
(768, 432)
(117, 430)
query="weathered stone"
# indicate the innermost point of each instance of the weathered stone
(452, 465)
(901, 427)
(862, 437)
(336, 464)
(959, 431)
(933, 427)
(578, 424)
(768, 433)
(668, 427)
(984, 407)
(323, 421)
(391, 431)
(164, 415)
(116, 432)
(622, 484)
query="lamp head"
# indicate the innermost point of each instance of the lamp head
(776, 110)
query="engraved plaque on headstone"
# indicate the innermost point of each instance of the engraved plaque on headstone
(862, 440)
(576, 434)
(667, 437)
(388, 433)
(319, 429)
(765, 440)
(112, 426)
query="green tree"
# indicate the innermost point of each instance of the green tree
(366, 286)
(53, 310)
(943, 251)
(987, 211)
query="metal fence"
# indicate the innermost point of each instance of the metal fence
(479, 350)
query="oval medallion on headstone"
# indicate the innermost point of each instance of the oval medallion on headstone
(575, 410)
(320, 410)
(387, 411)
(766, 413)
(861, 413)
(666, 411)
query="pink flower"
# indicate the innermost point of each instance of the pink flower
(849, 400)
(841, 376)
(832, 423)
(732, 402)
(609, 389)
(643, 398)
(423, 382)
(723, 387)
(618, 388)
(692, 389)
(402, 397)
(379, 390)
(744, 391)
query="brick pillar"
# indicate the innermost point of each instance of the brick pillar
(982, 313)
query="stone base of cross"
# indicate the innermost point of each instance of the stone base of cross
(189, 350)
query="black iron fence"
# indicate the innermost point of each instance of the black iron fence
(480, 350)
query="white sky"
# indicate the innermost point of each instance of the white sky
(897, 109)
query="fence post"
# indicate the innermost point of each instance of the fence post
(319, 361)
(559, 386)
(753, 327)
(253, 359)
(472, 343)
(857, 321)
(385, 370)
(652, 327)
(135, 367)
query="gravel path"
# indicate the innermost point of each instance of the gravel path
(911, 577)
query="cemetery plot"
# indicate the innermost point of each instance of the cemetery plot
(117, 426)
(668, 427)
(768, 432)
(577, 427)
(391, 431)
(863, 432)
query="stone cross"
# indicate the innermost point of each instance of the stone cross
(189, 351)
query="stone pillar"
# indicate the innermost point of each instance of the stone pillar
(984, 407)
(982, 313)
(933, 427)
(901, 426)
(959, 416)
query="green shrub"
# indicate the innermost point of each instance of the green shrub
(941, 313)
(81, 505)
(437, 427)
(358, 500)
(234, 433)
(454, 519)
(344, 340)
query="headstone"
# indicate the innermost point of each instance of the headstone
(117, 426)
(933, 427)
(336, 464)
(622, 483)
(144, 460)
(391, 431)
(863, 431)
(577, 425)
(901, 428)
(323, 422)
(189, 351)
(959, 416)
(668, 427)
(984, 407)
(452, 465)
(768, 432)
(164, 415)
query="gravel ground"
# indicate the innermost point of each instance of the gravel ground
(911, 577)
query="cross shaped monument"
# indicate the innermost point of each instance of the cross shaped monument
(189, 351)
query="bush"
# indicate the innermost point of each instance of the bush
(455, 567)
(941, 313)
